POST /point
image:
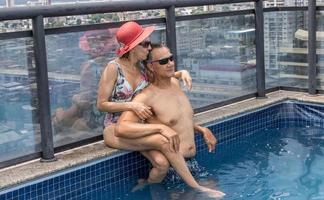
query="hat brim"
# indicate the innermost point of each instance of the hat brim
(146, 33)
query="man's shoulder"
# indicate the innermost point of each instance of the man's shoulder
(145, 95)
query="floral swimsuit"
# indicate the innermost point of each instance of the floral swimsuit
(123, 92)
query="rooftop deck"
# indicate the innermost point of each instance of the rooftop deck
(234, 52)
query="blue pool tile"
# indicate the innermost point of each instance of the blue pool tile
(115, 173)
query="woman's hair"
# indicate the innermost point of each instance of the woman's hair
(126, 55)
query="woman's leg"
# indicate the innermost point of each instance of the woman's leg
(137, 144)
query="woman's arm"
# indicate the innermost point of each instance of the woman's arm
(105, 89)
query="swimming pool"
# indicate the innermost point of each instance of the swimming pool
(271, 153)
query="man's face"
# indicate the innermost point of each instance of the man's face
(162, 62)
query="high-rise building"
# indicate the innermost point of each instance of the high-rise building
(279, 30)
(10, 3)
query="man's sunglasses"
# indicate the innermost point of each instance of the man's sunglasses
(164, 61)
(145, 44)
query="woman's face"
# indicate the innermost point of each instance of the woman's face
(141, 50)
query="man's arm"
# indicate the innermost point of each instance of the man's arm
(208, 136)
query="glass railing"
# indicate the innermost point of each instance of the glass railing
(320, 50)
(220, 55)
(19, 127)
(218, 47)
(286, 49)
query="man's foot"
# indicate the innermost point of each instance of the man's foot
(141, 183)
(211, 193)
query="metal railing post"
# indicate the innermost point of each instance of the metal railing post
(259, 42)
(171, 31)
(312, 48)
(42, 90)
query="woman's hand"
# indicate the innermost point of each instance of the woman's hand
(142, 111)
(187, 81)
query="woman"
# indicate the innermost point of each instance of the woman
(125, 76)
(122, 79)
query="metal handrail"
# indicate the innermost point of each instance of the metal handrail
(102, 7)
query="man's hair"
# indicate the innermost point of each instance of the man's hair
(154, 46)
(149, 59)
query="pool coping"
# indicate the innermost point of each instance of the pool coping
(31, 170)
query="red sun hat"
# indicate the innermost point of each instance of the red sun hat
(94, 49)
(130, 34)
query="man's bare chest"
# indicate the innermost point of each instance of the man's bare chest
(171, 108)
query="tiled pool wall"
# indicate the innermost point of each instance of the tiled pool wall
(103, 178)
(86, 182)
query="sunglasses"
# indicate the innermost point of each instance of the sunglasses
(164, 61)
(145, 44)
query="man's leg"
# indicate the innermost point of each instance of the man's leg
(159, 170)
(151, 142)
(160, 165)
(160, 143)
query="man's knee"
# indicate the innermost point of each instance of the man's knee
(161, 163)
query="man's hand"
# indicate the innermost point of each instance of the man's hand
(209, 138)
(173, 138)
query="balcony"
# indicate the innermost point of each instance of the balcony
(233, 52)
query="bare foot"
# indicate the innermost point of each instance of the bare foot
(211, 193)
(59, 114)
(57, 120)
(141, 183)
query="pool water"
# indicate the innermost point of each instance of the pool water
(285, 163)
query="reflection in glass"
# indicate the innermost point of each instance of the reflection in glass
(19, 127)
(220, 55)
(285, 46)
(75, 63)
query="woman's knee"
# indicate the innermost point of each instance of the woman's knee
(159, 142)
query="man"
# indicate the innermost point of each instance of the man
(172, 119)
